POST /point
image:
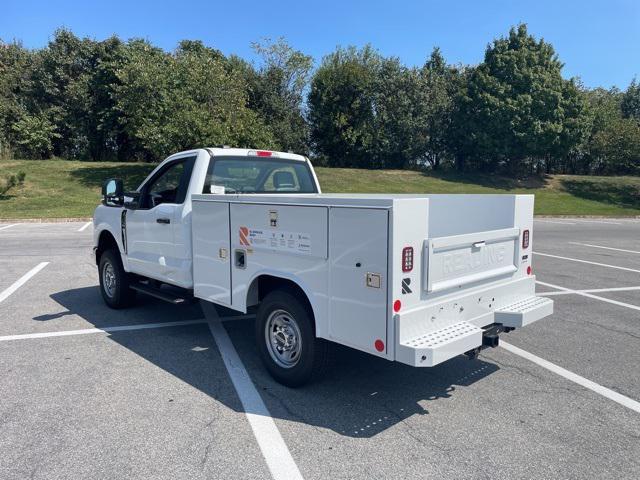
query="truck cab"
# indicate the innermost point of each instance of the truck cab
(152, 225)
(417, 279)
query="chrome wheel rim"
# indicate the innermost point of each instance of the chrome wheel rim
(109, 279)
(283, 338)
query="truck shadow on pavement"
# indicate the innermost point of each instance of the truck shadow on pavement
(361, 395)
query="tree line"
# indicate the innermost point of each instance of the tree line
(131, 101)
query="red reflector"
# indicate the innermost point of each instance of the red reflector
(379, 345)
(529, 270)
(397, 305)
(525, 239)
(263, 153)
(407, 259)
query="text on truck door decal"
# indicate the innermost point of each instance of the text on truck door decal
(293, 242)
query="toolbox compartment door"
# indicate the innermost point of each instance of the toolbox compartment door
(211, 252)
(358, 246)
(455, 261)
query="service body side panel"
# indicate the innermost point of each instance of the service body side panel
(286, 241)
(211, 252)
(358, 279)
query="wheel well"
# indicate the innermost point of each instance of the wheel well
(264, 284)
(106, 242)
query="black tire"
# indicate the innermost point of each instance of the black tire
(118, 295)
(313, 358)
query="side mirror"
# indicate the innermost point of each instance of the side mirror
(112, 193)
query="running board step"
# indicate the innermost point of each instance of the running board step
(524, 312)
(158, 293)
(440, 345)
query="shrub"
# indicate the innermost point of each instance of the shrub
(10, 181)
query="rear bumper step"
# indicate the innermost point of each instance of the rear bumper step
(440, 345)
(524, 312)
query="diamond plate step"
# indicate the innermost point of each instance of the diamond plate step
(524, 312)
(440, 345)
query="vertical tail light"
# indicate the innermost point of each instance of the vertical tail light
(407, 259)
(525, 239)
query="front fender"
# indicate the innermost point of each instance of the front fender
(109, 219)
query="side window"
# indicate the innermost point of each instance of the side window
(171, 185)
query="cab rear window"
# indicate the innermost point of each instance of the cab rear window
(257, 175)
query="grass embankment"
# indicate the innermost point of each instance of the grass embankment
(61, 188)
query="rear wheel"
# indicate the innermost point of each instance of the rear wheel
(286, 340)
(114, 281)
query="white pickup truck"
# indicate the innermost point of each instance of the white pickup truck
(417, 279)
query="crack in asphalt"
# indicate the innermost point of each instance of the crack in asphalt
(608, 327)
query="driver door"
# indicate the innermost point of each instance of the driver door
(150, 228)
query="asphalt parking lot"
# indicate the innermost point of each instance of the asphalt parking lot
(88, 392)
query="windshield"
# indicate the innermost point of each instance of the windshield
(258, 175)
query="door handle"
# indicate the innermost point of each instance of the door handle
(163, 220)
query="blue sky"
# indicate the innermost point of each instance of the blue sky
(599, 41)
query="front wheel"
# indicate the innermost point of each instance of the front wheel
(114, 281)
(286, 340)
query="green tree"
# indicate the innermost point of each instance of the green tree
(374, 112)
(631, 101)
(169, 102)
(616, 148)
(399, 114)
(60, 90)
(34, 135)
(440, 84)
(341, 106)
(276, 92)
(603, 110)
(518, 108)
(16, 65)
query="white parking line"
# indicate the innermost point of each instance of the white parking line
(588, 295)
(86, 331)
(599, 389)
(592, 290)
(604, 248)
(8, 226)
(21, 281)
(82, 228)
(275, 451)
(553, 221)
(587, 261)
